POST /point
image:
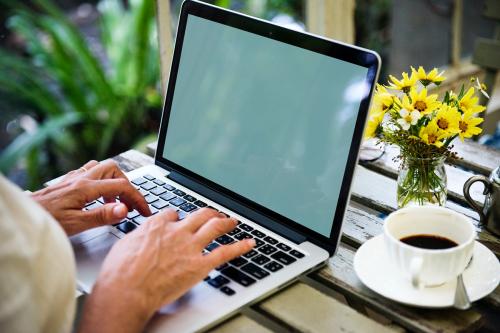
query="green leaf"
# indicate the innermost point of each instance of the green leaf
(28, 141)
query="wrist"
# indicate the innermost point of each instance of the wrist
(112, 309)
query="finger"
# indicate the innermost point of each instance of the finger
(90, 164)
(225, 253)
(122, 188)
(108, 169)
(167, 215)
(106, 214)
(214, 228)
(194, 221)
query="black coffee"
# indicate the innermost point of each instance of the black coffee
(431, 242)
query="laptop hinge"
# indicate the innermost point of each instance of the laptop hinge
(238, 207)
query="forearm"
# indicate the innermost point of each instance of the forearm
(108, 310)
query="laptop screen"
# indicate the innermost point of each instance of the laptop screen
(267, 120)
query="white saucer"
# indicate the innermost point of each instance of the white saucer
(376, 271)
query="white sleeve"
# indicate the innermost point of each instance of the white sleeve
(37, 268)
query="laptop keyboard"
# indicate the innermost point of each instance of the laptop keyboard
(267, 257)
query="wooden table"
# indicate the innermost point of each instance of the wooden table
(333, 299)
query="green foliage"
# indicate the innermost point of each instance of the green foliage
(88, 104)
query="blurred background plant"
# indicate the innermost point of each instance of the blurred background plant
(78, 100)
(81, 78)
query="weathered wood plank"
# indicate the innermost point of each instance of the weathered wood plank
(322, 313)
(339, 275)
(240, 324)
(456, 177)
(367, 189)
(476, 157)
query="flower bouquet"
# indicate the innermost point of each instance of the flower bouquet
(404, 113)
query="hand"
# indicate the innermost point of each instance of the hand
(154, 265)
(65, 200)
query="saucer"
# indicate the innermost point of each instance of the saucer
(372, 259)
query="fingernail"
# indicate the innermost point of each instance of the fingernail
(120, 210)
(251, 241)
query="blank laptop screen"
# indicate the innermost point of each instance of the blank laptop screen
(267, 120)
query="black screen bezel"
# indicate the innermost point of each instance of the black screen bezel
(358, 56)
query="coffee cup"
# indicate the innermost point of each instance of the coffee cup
(430, 245)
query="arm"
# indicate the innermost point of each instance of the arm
(155, 265)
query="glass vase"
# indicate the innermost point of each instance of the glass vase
(422, 181)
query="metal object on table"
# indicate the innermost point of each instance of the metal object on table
(490, 210)
(461, 300)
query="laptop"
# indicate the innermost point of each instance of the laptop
(264, 124)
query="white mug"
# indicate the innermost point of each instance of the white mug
(429, 267)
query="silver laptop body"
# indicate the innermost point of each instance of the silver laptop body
(264, 124)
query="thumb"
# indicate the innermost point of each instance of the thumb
(107, 214)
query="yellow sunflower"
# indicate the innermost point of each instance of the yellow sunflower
(447, 119)
(468, 102)
(382, 100)
(427, 78)
(421, 102)
(374, 120)
(432, 135)
(468, 125)
(405, 84)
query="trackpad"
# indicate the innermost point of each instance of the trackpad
(89, 257)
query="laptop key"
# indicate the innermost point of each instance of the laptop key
(246, 227)
(139, 219)
(297, 254)
(177, 201)
(150, 198)
(243, 235)
(267, 249)
(237, 276)
(239, 261)
(126, 227)
(132, 214)
(270, 240)
(258, 233)
(189, 198)
(283, 247)
(168, 187)
(200, 203)
(167, 196)
(254, 271)
(148, 186)
(94, 205)
(158, 182)
(224, 239)
(273, 266)
(260, 259)
(234, 232)
(212, 246)
(158, 190)
(179, 193)
(139, 181)
(250, 254)
(228, 291)
(258, 243)
(182, 214)
(149, 177)
(283, 258)
(218, 281)
(143, 192)
(187, 207)
(160, 204)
